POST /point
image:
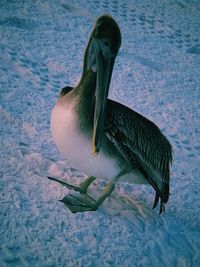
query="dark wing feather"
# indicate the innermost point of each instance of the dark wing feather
(141, 144)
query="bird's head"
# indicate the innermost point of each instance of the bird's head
(101, 51)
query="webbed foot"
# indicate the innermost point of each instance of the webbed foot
(82, 188)
(79, 202)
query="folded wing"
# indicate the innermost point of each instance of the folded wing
(142, 145)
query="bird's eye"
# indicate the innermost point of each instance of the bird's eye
(106, 43)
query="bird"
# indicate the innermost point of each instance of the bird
(103, 138)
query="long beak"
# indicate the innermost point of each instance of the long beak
(104, 73)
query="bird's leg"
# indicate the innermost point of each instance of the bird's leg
(85, 184)
(83, 202)
(82, 188)
(108, 189)
(106, 193)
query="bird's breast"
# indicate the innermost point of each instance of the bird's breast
(76, 146)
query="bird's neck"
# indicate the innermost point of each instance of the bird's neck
(85, 94)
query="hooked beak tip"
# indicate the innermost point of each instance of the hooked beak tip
(94, 148)
(94, 151)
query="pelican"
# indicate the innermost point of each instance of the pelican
(103, 138)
